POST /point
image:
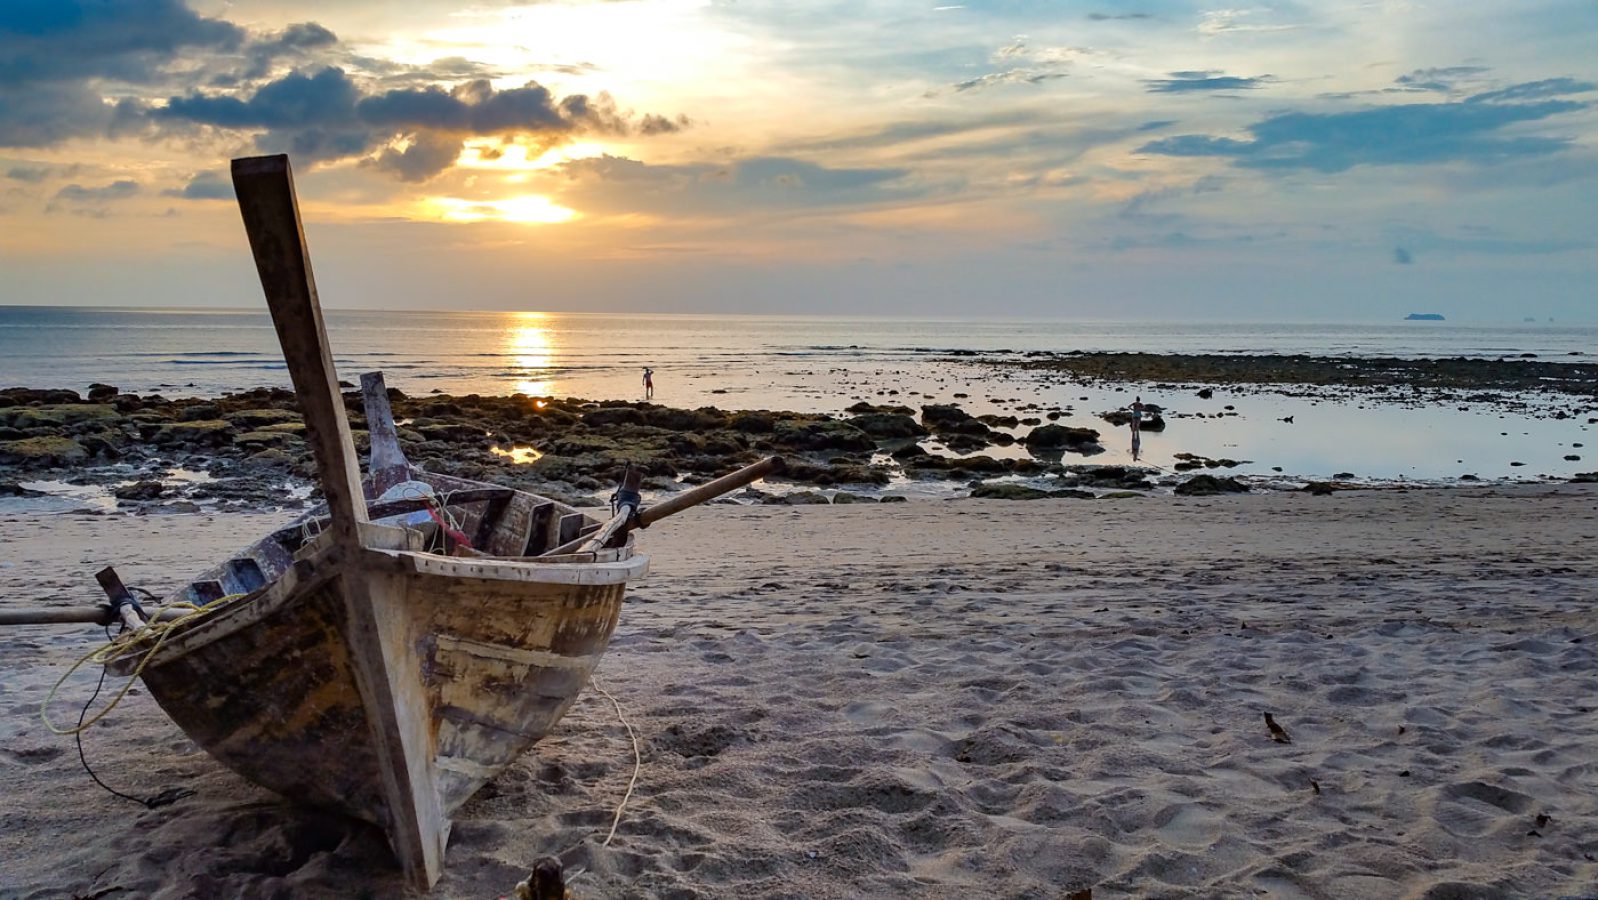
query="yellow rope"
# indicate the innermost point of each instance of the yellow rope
(638, 763)
(124, 645)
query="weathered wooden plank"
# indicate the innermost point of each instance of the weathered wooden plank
(538, 528)
(571, 525)
(376, 623)
(386, 461)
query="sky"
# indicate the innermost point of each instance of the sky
(1126, 160)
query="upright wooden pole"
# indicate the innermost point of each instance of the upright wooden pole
(385, 665)
(388, 465)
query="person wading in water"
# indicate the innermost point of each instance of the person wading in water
(649, 383)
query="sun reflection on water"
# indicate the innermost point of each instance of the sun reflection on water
(531, 345)
(517, 453)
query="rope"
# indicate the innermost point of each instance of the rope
(122, 646)
(165, 798)
(638, 763)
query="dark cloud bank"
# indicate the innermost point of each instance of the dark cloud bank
(1415, 133)
(60, 59)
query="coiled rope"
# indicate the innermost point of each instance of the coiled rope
(125, 645)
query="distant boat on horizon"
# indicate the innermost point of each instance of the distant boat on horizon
(1424, 317)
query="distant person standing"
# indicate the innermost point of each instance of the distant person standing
(649, 383)
(1137, 415)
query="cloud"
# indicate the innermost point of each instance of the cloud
(652, 124)
(769, 182)
(422, 158)
(63, 61)
(1535, 90)
(1402, 256)
(1181, 82)
(1117, 17)
(1407, 134)
(1000, 79)
(1236, 21)
(79, 195)
(123, 40)
(297, 41)
(204, 186)
(29, 174)
(1439, 79)
(416, 131)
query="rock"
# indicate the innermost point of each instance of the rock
(1584, 478)
(99, 393)
(1320, 488)
(1006, 491)
(26, 396)
(1205, 393)
(1469, 478)
(613, 415)
(895, 498)
(140, 490)
(945, 417)
(1060, 437)
(702, 419)
(1209, 485)
(806, 498)
(56, 415)
(1572, 457)
(888, 426)
(823, 434)
(252, 419)
(12, 489)
(278, 439)
(206, 432)
(270, 457)
(1345, 476)
(200, 412)
(42, 451)
(1120, 495)
(909, 451)
(753, 422)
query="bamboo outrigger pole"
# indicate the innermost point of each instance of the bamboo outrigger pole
(417, 829)
(631, 517)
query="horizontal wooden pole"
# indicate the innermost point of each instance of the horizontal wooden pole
(710, 490)
(771, 465)
(68, 615)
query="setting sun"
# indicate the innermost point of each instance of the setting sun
(531, 209)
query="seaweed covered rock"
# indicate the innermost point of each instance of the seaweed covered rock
(42, 451)
(888, 426)
(1209, 485)
(1061, 437)
(821, 434)
(1006, 491)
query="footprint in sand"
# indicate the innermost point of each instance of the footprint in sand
(1188, 826)
(1475, 808)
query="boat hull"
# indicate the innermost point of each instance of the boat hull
(497, 651)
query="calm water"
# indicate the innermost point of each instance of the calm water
(825, 364)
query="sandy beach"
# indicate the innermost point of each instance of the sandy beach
(963, 698)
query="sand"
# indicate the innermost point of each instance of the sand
(941, 699)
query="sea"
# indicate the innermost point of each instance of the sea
(825, 364)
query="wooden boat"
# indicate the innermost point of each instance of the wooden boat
(361, 659)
